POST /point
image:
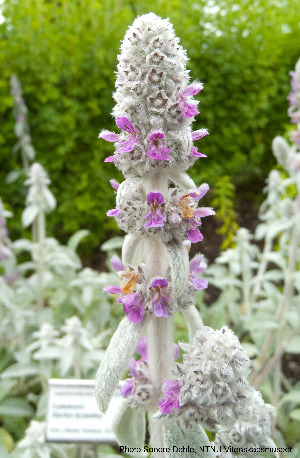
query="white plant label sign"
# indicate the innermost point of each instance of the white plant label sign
(73, 415)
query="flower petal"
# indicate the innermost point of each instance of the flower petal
(124, 124)
(199, 134)
(109, 136)
(113, 289)
(192, 89)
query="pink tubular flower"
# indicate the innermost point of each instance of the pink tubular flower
(194, 235)
(116, 263)
(196, 136)
(124, 146)
(142, 348)
(130, 384)
(156, 149)
(113, 212)
(155, 199)
(127, 387)
(189, 109)
(114, 183)
(133, 306)
(197, 267)
(171, 401)
(159, 286)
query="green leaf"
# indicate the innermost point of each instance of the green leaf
(16, 407)
(112, 244)
(295, 414)
(20, 370)
(292, 396)
(293, 346)
(5, 387)
(129, 426)
(115, 360)
(194, 441)
(76, 238)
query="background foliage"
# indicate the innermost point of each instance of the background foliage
(64, 53)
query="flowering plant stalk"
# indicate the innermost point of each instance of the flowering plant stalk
(157, 205)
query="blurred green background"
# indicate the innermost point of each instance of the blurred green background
(65, 54)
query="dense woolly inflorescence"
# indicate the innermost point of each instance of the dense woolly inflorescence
(154, 111)
(154, 108)
(210, 387)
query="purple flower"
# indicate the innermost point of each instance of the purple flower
(142, 348)
(155, 199)
(11, 278)
(116, 263)
(202, 190)
(124, 146)
(189, 109)
(194, 235)
(171, 402)
(113, 289)
(127, 145)
(133, 307)
(113, 212)
(156, 149)
(159, 286)
(197, 267)
(295, 136)
(127, 387)
(196, 136)
(114, 183)
(176, 351)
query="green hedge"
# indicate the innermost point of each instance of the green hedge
(65, 53)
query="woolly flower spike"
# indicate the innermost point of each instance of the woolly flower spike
(156, 149)
(153, 90)
(155, 199)
(212, 379)
(39, 198)
(159, 286)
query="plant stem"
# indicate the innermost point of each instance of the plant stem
(160, 341)
(161, 362)
(262, 268)
(40, 259)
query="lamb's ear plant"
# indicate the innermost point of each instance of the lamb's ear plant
(157, 207)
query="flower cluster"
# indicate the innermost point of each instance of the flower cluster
(210, 386)
(139, 296)
(172, 215)
(251, 431)
(138, 388)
